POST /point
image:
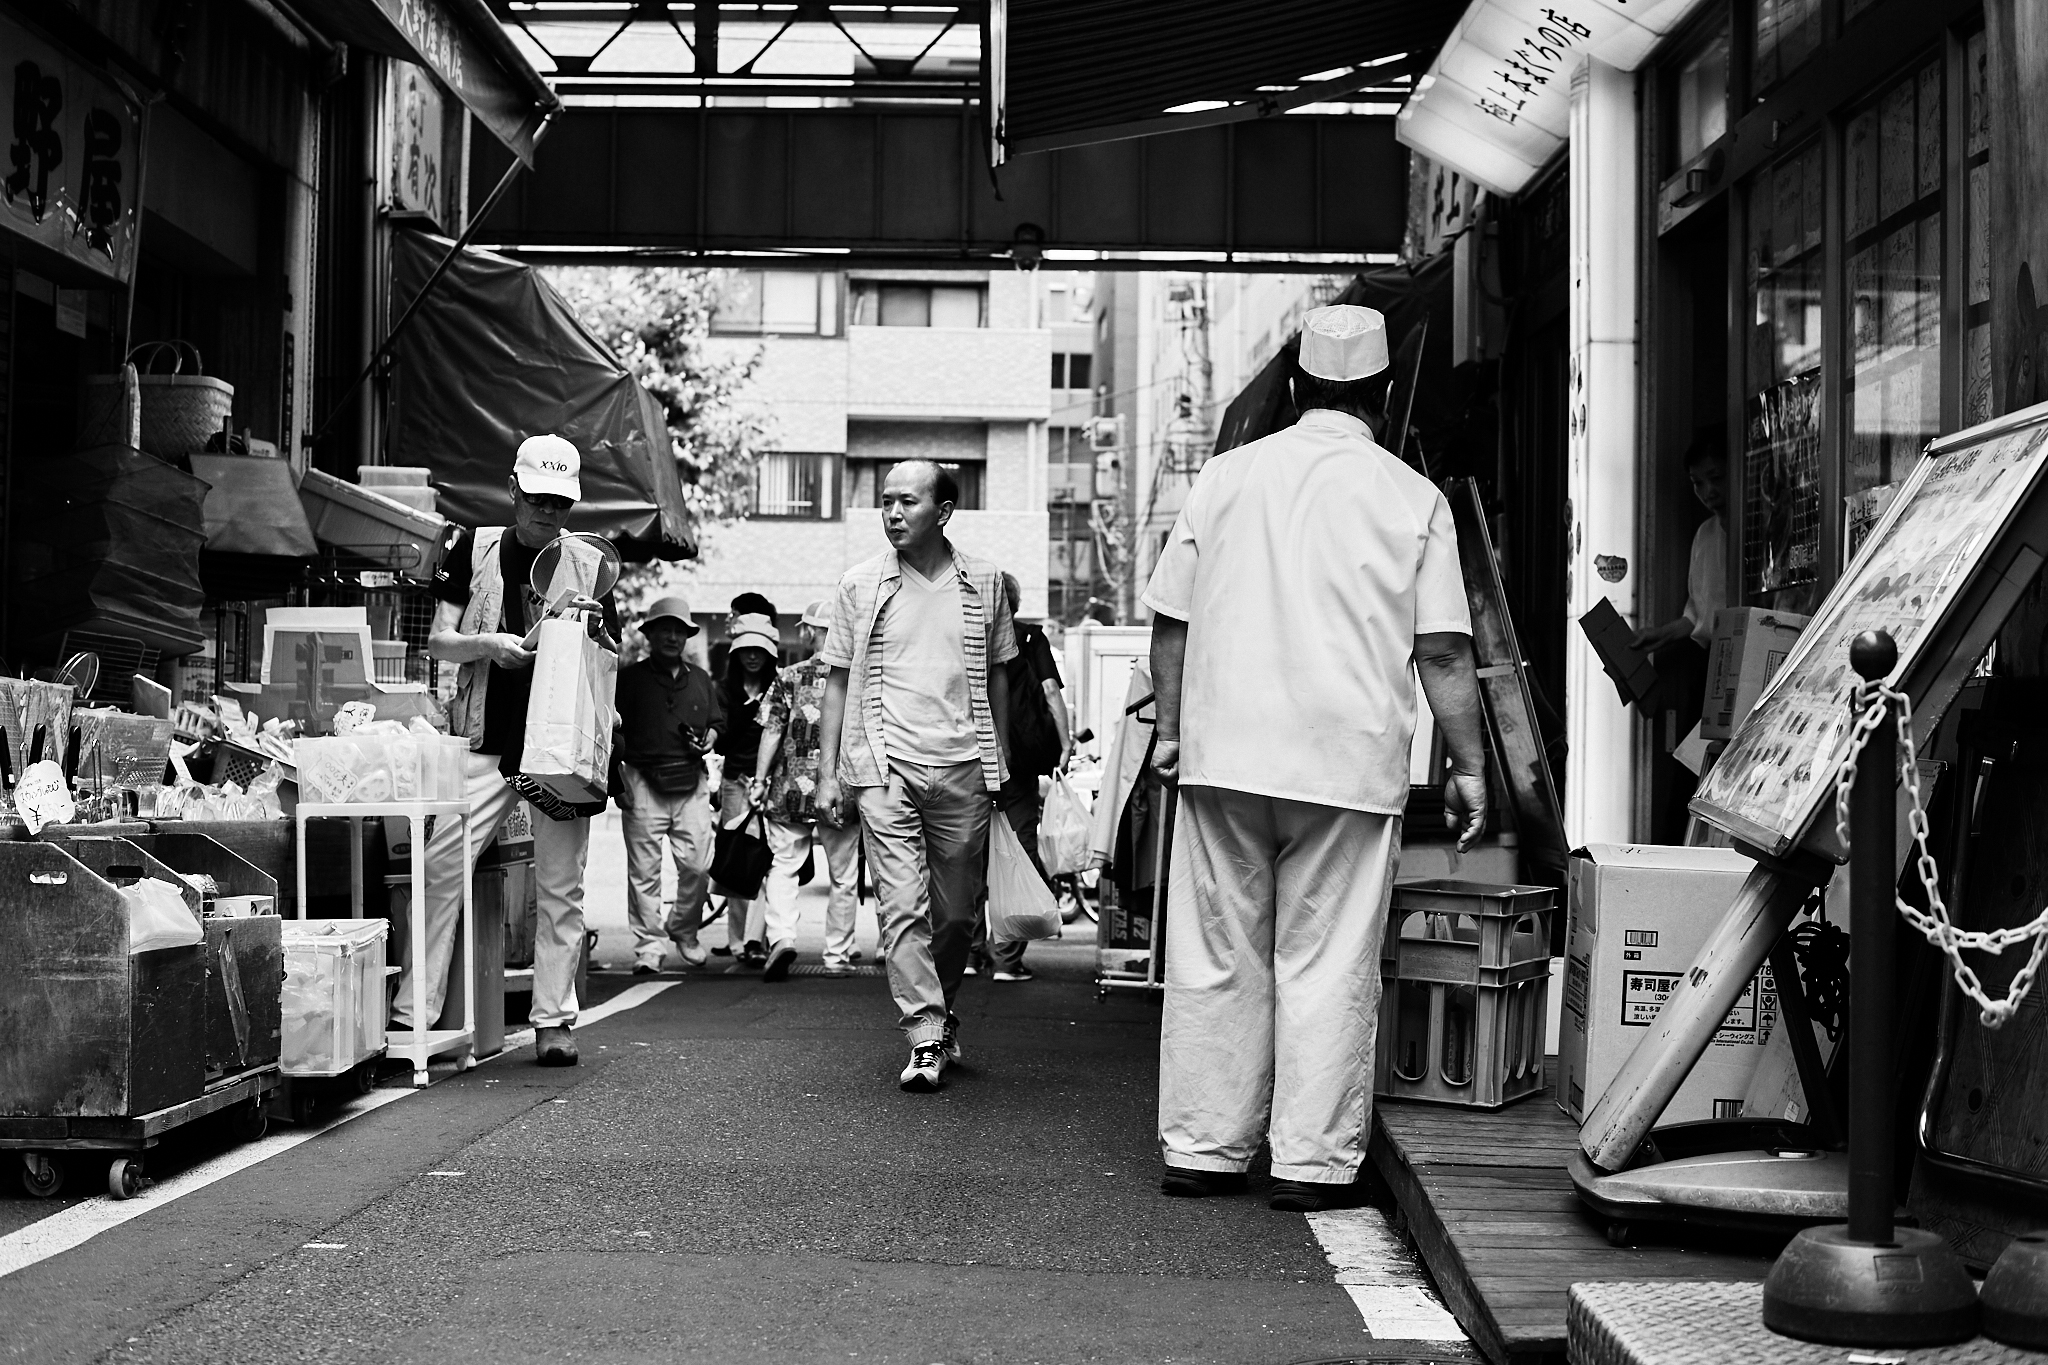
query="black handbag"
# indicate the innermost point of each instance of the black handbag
(740, 859)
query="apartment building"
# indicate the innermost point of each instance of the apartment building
(865, 368)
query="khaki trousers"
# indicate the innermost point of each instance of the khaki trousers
(655, 825)
(927, 841)
(1274, 916)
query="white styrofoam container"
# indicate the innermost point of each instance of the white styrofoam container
(334, 1006)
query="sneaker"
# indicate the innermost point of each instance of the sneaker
(927, 1063)
(853, 956)
(694, 953)
(951, 1042)
(553, 1046)
(779, 963)
(1302, 1196)
(834, 967)
(1017, 973)
(971, 969)
(1186, 1184)
(753, 955)
(646, 968)
(721, 951)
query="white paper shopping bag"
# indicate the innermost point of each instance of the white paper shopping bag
(569, 716)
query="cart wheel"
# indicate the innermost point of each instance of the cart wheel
(1620, 1235)
(42, 1175)
(364, 1077)
(466, 1062)
(305, 1104)
(250, 1122)
(124, 1177)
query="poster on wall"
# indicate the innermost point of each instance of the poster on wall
(73, 152)
(413, 177)
(1939, 572)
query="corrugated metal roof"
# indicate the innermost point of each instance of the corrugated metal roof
(1072, 65)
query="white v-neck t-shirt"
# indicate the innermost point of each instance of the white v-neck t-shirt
(1305, 565)
(926, 715)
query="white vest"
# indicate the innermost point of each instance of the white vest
(484, 614)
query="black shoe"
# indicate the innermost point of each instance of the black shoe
(646, 969)
(1304, 1196)
(779, 963)
(721, 951)
(1186, 1184)
(553, 1046)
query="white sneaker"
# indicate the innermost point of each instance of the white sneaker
(694, 953)
(927, 1063)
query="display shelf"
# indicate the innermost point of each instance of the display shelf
(416, 1045)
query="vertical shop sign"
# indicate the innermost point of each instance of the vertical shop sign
(73, 143)
(414, 175)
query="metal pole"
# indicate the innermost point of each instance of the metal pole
(1872, 875)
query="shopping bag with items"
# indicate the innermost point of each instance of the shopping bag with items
(1020, 904)
(1063, 830)
(570, 714)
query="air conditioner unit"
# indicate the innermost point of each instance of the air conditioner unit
(1105, 433)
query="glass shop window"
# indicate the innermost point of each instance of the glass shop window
(1977, 236)
(1700, 100)
(1892, 224)
(1787, 33)
(1781, 523)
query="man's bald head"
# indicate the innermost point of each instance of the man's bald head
(932, 479)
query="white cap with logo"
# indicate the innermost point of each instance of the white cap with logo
(1343, 342)
(549, 465)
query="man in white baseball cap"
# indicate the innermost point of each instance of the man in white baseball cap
(1310, 578)
(486, 607)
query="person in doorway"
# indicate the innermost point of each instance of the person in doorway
(1308, 573)
(486, 607)
(670, 716)
(1041, 743)
(1678, 648)
(920, 634)
(786, 787)
(750, 656)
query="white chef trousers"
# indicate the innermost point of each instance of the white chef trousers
(559, 847)
(1274, 916)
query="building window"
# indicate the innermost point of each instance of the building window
(875, 303)
(769, 303)
(1787, 33)
(1068, 445)
(797, 487)
(1072, 370)
(868, 476)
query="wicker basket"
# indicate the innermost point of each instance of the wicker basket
(110, 410)
(180, 411)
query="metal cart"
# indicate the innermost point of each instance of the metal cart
(45, 1143)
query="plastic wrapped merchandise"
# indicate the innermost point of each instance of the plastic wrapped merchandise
(333, 1001)
(158, 917)
(404, 754)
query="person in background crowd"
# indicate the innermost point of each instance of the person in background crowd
(749, 668)
(670, 716)
(919, 636)
(486, 606)
(1041, 743)
(1307, 574)
(785, 786)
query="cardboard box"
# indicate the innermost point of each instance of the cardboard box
(1749, 645)
(1639, 915)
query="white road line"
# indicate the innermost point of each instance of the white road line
(1382, 1278)
(82, 1222)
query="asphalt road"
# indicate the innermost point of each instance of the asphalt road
(730, 1176)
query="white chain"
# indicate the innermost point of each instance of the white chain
(1935, 923)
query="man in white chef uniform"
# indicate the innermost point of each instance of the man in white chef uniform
(485, 607)
(1310, 579)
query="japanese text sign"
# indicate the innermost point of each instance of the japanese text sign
(73, 144)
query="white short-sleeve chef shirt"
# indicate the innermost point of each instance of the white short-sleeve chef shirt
(1305, 565)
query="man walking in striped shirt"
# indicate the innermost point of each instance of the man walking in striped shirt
(915, 710)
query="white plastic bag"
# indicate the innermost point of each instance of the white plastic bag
(1020, 904)
(1063, 830)
(158, 917)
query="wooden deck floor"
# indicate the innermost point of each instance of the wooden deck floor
(1487, 1201)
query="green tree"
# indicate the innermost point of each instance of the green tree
(658, 320)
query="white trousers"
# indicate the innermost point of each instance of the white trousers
(792, 844)
(559, 847)
(654, 825)
(1274, 916)
(842, 862)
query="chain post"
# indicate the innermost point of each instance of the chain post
(1872, 888)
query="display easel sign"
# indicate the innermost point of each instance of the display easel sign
(1942, 571)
